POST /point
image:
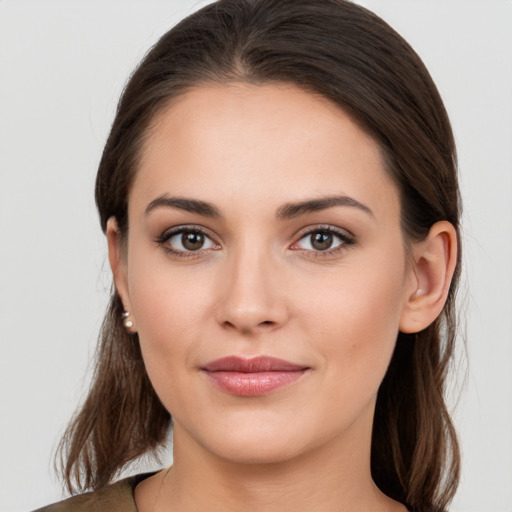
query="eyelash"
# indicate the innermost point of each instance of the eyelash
(346, 240)
(167, 235)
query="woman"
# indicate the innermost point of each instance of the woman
(280, 200)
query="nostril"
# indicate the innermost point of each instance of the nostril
(247, 328)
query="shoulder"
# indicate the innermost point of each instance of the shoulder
(117, 497)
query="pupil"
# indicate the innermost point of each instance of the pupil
(192, 241)
(322, 241)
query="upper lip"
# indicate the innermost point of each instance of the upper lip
(252, 365)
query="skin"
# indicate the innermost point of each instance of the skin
(260, 287)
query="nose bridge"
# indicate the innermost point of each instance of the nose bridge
(251, 298)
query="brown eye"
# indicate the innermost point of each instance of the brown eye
(192, 241)
(321, 240)
(186, 240)
(326, 240)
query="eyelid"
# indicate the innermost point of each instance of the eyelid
(347, 238)
(313, 228)
(167, 234)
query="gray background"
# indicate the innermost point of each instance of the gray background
(62, 67)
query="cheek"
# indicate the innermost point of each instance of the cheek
(170, 308)
(169, 326)
(356, 322)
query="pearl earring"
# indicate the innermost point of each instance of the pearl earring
(127, 323)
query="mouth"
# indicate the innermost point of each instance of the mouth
(252, 377)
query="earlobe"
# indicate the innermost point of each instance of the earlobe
(435, 259)
(117, 261)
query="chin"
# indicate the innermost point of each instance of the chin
(259, 452)
(247, 442)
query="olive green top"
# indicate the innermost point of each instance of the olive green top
(117, 497)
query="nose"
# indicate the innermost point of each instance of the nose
(252, 298)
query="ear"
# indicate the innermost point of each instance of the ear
(118, 264)
(435, 259)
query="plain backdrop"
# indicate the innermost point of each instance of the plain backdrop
(62, 67)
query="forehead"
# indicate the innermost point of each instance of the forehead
(276, 142)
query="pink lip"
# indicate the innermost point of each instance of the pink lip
(252, 377)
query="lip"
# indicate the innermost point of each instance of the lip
(252, 377)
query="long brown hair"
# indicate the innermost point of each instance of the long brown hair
(353, 58)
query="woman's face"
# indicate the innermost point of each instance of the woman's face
(262, 225)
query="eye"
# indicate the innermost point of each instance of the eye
(325, 239)
(185, 240)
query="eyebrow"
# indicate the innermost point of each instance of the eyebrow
(188, 205)
(292, 210)
(287, 211)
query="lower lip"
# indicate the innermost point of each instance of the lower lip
(253, 384)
